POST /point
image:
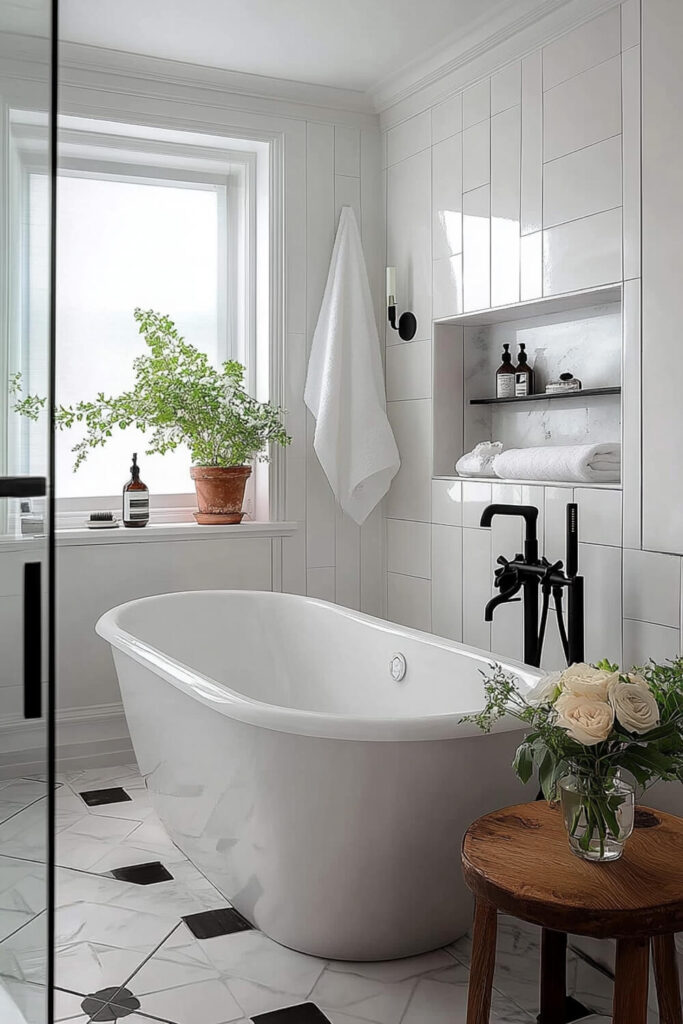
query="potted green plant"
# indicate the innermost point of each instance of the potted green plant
(182, 399)
(587, 726)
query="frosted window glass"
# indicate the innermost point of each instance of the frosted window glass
(120, 245)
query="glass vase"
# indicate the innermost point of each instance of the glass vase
(598, 814)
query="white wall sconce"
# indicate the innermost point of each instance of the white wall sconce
(407, 322)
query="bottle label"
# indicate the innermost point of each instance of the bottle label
(521, 384)
(505, 385)
(136, 506)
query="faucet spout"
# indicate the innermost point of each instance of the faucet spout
(507, 595)
(530, 515)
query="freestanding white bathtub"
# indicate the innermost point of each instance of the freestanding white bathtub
(326, 799)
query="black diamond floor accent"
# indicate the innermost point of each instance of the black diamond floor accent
(96, 797)
(574, 1010)
(99, 1007)
(211, 923)
(142, 874)
(305, 1013)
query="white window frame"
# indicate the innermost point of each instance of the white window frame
(233, 174)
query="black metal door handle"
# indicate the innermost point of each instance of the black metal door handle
(33, 641)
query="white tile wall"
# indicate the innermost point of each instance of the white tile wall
(409, 548)
(476, 103)
(346, 150)
(590, 44)
(630, 24)
(652, 587)
(601, 568)
(582, 254)
(531, 270)
(447, 502)
(476, 495)
(506, 130)
(409, 370)
(476, 576)
(506, 88)
(447, 118)
(447, 299)
(631, 141)
(409, 137)
(477, 248)
(582, 183)
(409, 496)
(476, 156)
(447, 197)
(644, 641)
(599, 515)
(447, 591)
(583, 110)
(532, 144)
(409, 601)
(409, 243)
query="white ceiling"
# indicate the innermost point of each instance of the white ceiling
(351, 44)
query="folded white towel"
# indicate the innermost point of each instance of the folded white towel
(584, 463)
(479, 462)
(345, 385)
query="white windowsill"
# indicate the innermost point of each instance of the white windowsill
(151, 534)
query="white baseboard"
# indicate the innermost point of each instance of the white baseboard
(90, 737)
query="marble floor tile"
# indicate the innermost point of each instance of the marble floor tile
(255, 957)
(367, 998)
(183, 1004)
(23, 893)
(29, 1000)
(16, 794)
(438, 1002)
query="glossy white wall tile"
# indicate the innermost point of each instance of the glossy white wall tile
(599, 515)
(447, 502)
(476, 103)
(320, 583)
(476, 495)
(630, 24)
(631, 399)
(347, 193)
(505, 206)
(372, 564)
(409, 601)
(630, 78)
(601, 569)
(476, 574)
(582, 183)
(347, 150)
(644, 640)
(506, 87)
(410, 493)
(409, 370)
(652, 587)
(447, 278)
(477, 249)
(589, 44)
(555, 522)
(531, 270)
(532, 144)
(582, 254)
(583, 110)
(409, 244)
(476, 155)
(409, 137)
(447, 197)
(447, 588)
(347, 560)
(409, 548)
(447, 118)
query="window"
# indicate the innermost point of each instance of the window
(159, 219)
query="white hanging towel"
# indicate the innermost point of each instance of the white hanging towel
(345, 386)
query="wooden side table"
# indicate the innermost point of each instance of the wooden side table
(518, 860)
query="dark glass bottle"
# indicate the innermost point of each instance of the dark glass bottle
(505, 376)
(135, 498)
(524, 375)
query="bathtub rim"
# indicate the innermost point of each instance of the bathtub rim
(319, 724)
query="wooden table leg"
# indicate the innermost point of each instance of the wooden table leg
(666, 977)
(553, 976)
(483, 963)
(630, 981)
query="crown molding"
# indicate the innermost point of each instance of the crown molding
(479, 54)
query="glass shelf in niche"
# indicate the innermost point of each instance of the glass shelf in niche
(543, 397)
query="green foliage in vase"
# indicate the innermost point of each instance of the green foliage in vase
(178, 396)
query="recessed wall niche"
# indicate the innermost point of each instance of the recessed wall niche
(580, 333)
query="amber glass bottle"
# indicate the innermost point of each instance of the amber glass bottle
(135, 498)
(524, 375)
(505, 376)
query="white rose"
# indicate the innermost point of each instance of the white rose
(633, 704)
(585, 681)
(544, 689)
(586, 719)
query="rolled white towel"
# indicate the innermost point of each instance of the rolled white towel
(479, 462)
(583, 463)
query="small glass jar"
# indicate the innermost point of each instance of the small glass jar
(598, 814)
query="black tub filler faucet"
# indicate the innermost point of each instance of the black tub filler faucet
(538, 578)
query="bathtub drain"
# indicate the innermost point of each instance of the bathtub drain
(397, 667)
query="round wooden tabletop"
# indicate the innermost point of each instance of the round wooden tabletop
(518, 859)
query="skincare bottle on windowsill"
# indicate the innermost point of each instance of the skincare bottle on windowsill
(524, 375)
(505, 376)
(135, 498)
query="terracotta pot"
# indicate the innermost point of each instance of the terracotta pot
(220, 493)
